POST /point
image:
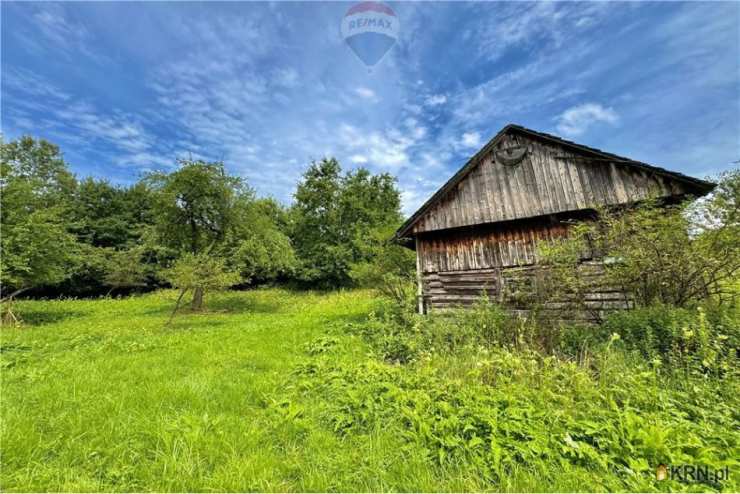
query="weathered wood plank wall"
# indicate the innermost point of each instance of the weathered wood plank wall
(518, 289)
(486, 246)
(459, 266)
(550, 179)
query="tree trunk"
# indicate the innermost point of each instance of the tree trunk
(10, 297)
(177, 306)
(7, 316)
(197, 302)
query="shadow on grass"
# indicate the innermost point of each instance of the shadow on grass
(220, 304)
(345, 318)
(14, 348)
(193, 321)
(44, 317)
(237, 303)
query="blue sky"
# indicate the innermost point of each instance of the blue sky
(128, 87)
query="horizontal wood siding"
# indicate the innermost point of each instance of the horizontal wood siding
(550, 179)
(515, 287)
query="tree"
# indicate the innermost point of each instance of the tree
(37, 248)
(317, 236)
(257, 247)
(333, 216)
(386, 266)
(199, 273)
(666, 254)
(201, 210)
(124, 269)
(106, 215)
(109, 221)
(194, 206)
(194, 209)
(39, 165)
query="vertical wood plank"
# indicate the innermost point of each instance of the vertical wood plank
(419, 281)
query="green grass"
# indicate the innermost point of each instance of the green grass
(99, 395)
(268, 391)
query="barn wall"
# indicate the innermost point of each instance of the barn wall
(457, 267)
(518, 288)
(550, 179)
(486, 246)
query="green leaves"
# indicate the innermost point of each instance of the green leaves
(335, 220)
(35, 186)
(195, 205)
(201, 271)
(657, 253)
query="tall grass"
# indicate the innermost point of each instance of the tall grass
(275, 390)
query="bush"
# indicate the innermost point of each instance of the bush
(687, 338)
(498, 395)
(677, 255)
(398, 334)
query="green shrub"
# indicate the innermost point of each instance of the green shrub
(486, 322)
(574, 340)
(390, 332)
(693, 339)
(400, 335)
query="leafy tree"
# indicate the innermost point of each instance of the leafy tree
(39, 165)
(37, 248)
(111, 216)
(200, 209)
(665, 254)
(317, 236)
(106, 219)
(257, 247)
(386, 266)
(194, 209)
(333, 216)
(199, 273)
(124, 269)
(194, 206)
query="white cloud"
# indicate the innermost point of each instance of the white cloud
(410, 201)
(53, 24)
(366, 93)
(78, 123)
(66, 36)
(576, 120)
(382, 149)
(470, 140)
(436, 100)
(286, 77)
(241, 89)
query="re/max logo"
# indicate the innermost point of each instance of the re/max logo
(693, 473)
(369, 22)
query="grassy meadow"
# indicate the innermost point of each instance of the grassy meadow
(273, 390)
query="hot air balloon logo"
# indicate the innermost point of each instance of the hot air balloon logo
(370, 29)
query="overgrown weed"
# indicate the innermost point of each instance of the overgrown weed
(499, 394)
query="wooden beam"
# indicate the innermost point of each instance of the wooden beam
(419, 285)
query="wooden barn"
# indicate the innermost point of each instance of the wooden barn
(478, 233)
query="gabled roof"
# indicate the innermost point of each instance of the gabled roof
(700, 186)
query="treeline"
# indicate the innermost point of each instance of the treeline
(195, 228)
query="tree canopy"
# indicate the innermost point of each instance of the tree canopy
(333, 216)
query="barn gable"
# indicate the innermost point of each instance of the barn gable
(554, 176)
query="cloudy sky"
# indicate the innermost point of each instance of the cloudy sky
(124, 88)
